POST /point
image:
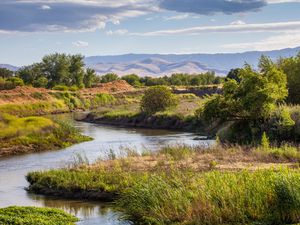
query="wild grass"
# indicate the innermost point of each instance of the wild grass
(35, 216)
(39, 108)
(187, 185)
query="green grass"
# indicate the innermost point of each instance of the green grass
(39, 108)
(35, 216)
(21, 135)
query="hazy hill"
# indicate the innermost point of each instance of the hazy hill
(9, 67)
(159, 64)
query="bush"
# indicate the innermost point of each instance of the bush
(10, 83)
(158, 98)
(60, 88)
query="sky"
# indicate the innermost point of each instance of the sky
(30, 29)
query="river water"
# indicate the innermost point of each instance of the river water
(106, 138)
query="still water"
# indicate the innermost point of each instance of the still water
(106, 138)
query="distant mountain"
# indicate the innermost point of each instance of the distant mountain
(166, 64)
(152, 67)
(9, 67)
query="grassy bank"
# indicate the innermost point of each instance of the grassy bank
(184, 185)
(125, 111)
(33, 134)
(35, 216)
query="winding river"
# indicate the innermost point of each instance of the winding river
(106, 138)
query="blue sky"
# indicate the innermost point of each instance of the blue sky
(29, 29)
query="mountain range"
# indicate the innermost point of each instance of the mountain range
(167, 64)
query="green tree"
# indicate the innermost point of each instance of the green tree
(132, 79)
(291, 67)
(109, 77)
(89, 77)
(30, 74)
(250, 102)
(234, 74)
(158, 98)
(76, 70)
(5, 73)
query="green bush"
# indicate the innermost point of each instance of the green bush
(157, 99)
(102, 100)
(10, 83)
(15, 215)
(60, 88)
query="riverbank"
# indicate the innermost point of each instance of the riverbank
(184, 185)
(35, 134)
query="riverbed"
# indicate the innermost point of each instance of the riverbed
(107, 139)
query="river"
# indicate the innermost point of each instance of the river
(106, 138)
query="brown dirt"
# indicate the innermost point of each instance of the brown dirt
(25, 94)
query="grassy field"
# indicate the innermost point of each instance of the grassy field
(35, 216)
(30, 134)
(185, 185)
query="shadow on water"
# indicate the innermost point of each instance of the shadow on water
(13, 169)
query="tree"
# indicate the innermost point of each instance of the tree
(89, 77)
(76, 70)
(250, 102)
(291, 67)
(109, 78)
(234, 74)
(157, 99)
(132, 79)
(5, 73)
(30, 74)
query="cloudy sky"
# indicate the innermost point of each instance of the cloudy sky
(30, 29)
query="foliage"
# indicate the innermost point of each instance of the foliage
(132, 79)
(10, 83)
(57, 69)
(265, 142)
(291, 67)
(6, 73)
(16, 215)
(89, 78)
(60, 88)
(102, 100)
(251, 102)
(157, 99)
(109, 78)
(234, 74)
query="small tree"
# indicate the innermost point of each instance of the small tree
(157, 99)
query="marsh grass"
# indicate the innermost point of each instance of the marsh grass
(35, 216)
(187, 185)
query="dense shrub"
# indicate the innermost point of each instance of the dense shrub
(157, 99)
(10, 83)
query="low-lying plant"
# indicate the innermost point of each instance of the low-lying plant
(35, 216)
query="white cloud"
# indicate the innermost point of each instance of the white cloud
(243, 28)
(282, 1)
(117, 32)
(237, 22)
(80, 44)
(177, 17)
(45, 7)
(284, 40)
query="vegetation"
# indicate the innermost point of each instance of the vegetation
(252, 105)
(58, 69)
(5, 73)
(291, 67)
(184, 185)
(21, 135)
(35, 216)
(157, 99)
(10, 83)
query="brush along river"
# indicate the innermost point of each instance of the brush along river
(106, 139)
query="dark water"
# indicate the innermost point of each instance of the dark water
(106, 138)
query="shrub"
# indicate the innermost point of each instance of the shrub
(60, 88)
(158, 98)
(10, 83)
